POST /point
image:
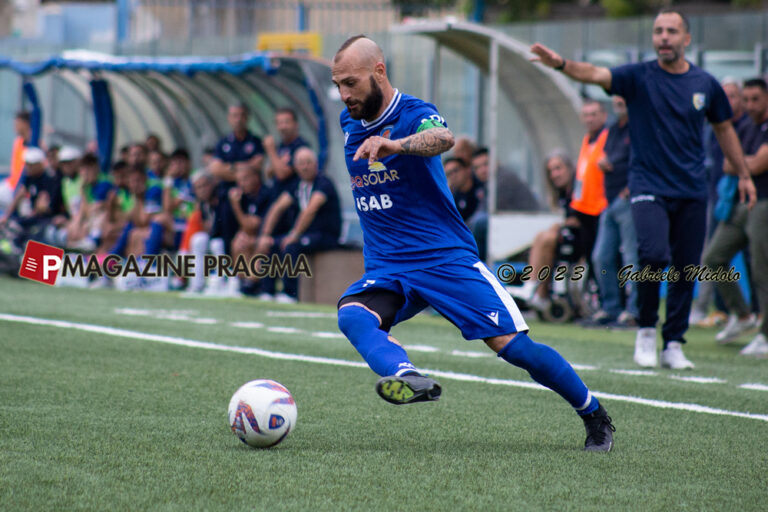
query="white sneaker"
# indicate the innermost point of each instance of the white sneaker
(645, 347)
(735, 328)
(757, 347)
(265, 297)
(539, 303)
(282, 298)
(696, 316)
(673, 357)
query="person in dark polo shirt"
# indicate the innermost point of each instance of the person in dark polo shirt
(746, 228)
(317, 227)
(468, 192)
(239, 146)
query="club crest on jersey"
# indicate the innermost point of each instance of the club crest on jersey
(699, 100)
(386, 132)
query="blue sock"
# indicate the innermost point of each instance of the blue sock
(361, 327)
(549, 369)
(155, 241)
(122, 242)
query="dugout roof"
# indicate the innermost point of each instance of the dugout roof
(184, 99)
(547, 104)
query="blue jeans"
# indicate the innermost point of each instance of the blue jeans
(615, 237)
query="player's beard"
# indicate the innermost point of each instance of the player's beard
(371, 104)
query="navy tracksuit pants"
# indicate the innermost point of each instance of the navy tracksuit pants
(670, 231)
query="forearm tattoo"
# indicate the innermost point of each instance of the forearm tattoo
(427, 143)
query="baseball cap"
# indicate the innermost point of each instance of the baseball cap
(33, 155)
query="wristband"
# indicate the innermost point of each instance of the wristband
(561, 66)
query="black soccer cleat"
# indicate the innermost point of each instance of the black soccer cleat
(600, 431)
(407, 389)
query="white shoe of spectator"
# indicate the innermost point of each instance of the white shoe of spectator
(673, 357)
(101, 283)
(645, 347)
(282, 298)
(265, 297)
(757, 347)
(735, 328)
(696, 316)
(539, 303)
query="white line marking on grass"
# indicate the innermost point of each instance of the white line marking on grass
(470, 354)
(172, 340)
(247, 325)
(754, 387)
(584, 367)
(330, 335)
(300, 314)
(204, 321)
(699, 380)
(284, 330)
(421, 348)
(646, 373)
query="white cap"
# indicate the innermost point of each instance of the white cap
(69, 153)
(33, 155)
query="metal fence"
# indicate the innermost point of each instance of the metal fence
(190, 19)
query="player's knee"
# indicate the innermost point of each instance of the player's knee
(355, 321)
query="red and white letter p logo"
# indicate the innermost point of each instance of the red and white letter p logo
(41, 263)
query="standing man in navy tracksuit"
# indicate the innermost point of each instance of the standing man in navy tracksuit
(669, 99)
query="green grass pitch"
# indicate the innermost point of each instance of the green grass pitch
(94, 421)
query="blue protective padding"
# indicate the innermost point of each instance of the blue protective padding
(186, 65)
(104, 117)
(322, 135)
(35, 113)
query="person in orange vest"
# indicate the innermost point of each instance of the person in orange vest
(588, 200)
(23, 129)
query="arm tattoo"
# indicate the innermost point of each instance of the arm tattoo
(428, 142)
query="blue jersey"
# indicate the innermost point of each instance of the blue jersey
(667, 112)
(407, 213)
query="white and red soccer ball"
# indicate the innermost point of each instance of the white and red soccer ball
(262, 413)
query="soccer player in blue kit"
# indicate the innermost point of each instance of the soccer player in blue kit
(668, 100)
(417, 250)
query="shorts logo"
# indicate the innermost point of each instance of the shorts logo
(494, 317)
(699, 100)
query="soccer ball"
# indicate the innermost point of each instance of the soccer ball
(261, 413)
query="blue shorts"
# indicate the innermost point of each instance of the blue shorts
(464, 291)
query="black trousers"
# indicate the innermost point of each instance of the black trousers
(670, 231)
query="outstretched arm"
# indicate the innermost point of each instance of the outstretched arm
(579, 71)
(431, 142)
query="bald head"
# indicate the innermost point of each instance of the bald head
(363, 51)
(360, 74)
(305, 162)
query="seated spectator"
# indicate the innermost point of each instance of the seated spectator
(468, 192)
(218, 228)
(464, 148)
(137, 157)
(512, 193)
(560, 174)
(157, 163)
(178, 197)
(317, 227)
(118, 206)
(37, 206)
(69, 160)
(249, 202)
(89, 206)
(142, 234)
